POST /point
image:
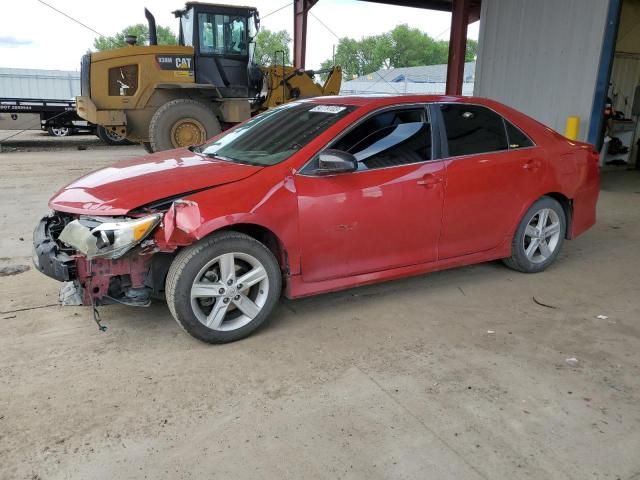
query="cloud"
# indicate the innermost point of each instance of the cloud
(13, 42)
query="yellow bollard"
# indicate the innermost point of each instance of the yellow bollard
(572, 127)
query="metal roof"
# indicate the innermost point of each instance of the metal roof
(421, 74)
(436, 88)
(429, 79)
(442, 5)
(40, 84)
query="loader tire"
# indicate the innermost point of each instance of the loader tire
(182, 123)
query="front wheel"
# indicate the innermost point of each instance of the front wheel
(539, 237)
(224, 287)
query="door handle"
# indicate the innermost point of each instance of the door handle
(532, 165)
(430, 180)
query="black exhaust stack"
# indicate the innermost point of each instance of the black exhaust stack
(153, 35)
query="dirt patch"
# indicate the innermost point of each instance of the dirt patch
(13, 270)
(386, 381)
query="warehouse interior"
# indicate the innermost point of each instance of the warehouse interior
(624, 87)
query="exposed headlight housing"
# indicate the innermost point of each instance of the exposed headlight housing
(105, 237)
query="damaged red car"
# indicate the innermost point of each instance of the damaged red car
(316, 196)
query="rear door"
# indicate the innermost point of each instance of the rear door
(385, 215)
(490, 175)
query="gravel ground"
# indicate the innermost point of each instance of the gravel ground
(452, 375)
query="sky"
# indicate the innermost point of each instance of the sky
(38, 37)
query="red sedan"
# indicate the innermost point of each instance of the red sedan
(316, 196)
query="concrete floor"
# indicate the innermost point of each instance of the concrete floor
(453, 375)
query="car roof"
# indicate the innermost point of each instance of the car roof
(389, 99)
(373, 101)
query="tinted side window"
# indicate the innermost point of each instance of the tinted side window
(396, 137)
(473, 129)
(517, 139)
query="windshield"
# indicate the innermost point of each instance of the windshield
(275, 135)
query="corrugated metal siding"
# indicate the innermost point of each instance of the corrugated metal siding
(49, 84)
(541, 57)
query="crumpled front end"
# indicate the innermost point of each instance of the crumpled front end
(99, 261)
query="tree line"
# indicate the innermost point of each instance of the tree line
(400, 47)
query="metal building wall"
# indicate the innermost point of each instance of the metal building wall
(541, 57)
(31, 83)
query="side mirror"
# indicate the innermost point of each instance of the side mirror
(333, 161)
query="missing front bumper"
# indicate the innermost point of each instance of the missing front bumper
(90, 282)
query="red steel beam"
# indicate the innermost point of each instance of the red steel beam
(300, 10)
(474, 12)
(457, 46)
(440, 5)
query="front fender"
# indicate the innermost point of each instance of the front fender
(193, 218)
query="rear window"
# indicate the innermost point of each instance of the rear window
(473, 129)
(517, 138)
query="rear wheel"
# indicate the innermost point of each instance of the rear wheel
(182, 123)
(59, 131)
(224, 287)
(111, 138)
(539, 237)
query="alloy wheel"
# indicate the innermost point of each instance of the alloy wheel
(542, 235)
(60, 131)
(229, 291)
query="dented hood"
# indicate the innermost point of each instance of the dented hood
(117, 189)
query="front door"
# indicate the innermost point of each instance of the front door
(385, 215)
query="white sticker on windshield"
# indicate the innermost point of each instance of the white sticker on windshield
(328, 109)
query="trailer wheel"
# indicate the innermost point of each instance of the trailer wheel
(111, 138)
(182, 123)
(59, 131)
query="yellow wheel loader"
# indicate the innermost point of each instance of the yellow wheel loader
(174, 96)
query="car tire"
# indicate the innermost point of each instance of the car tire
(539, 237)
(111, 138)
(59, 131)
(181, 123)
(224, 287)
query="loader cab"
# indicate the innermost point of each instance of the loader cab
(222, 39)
